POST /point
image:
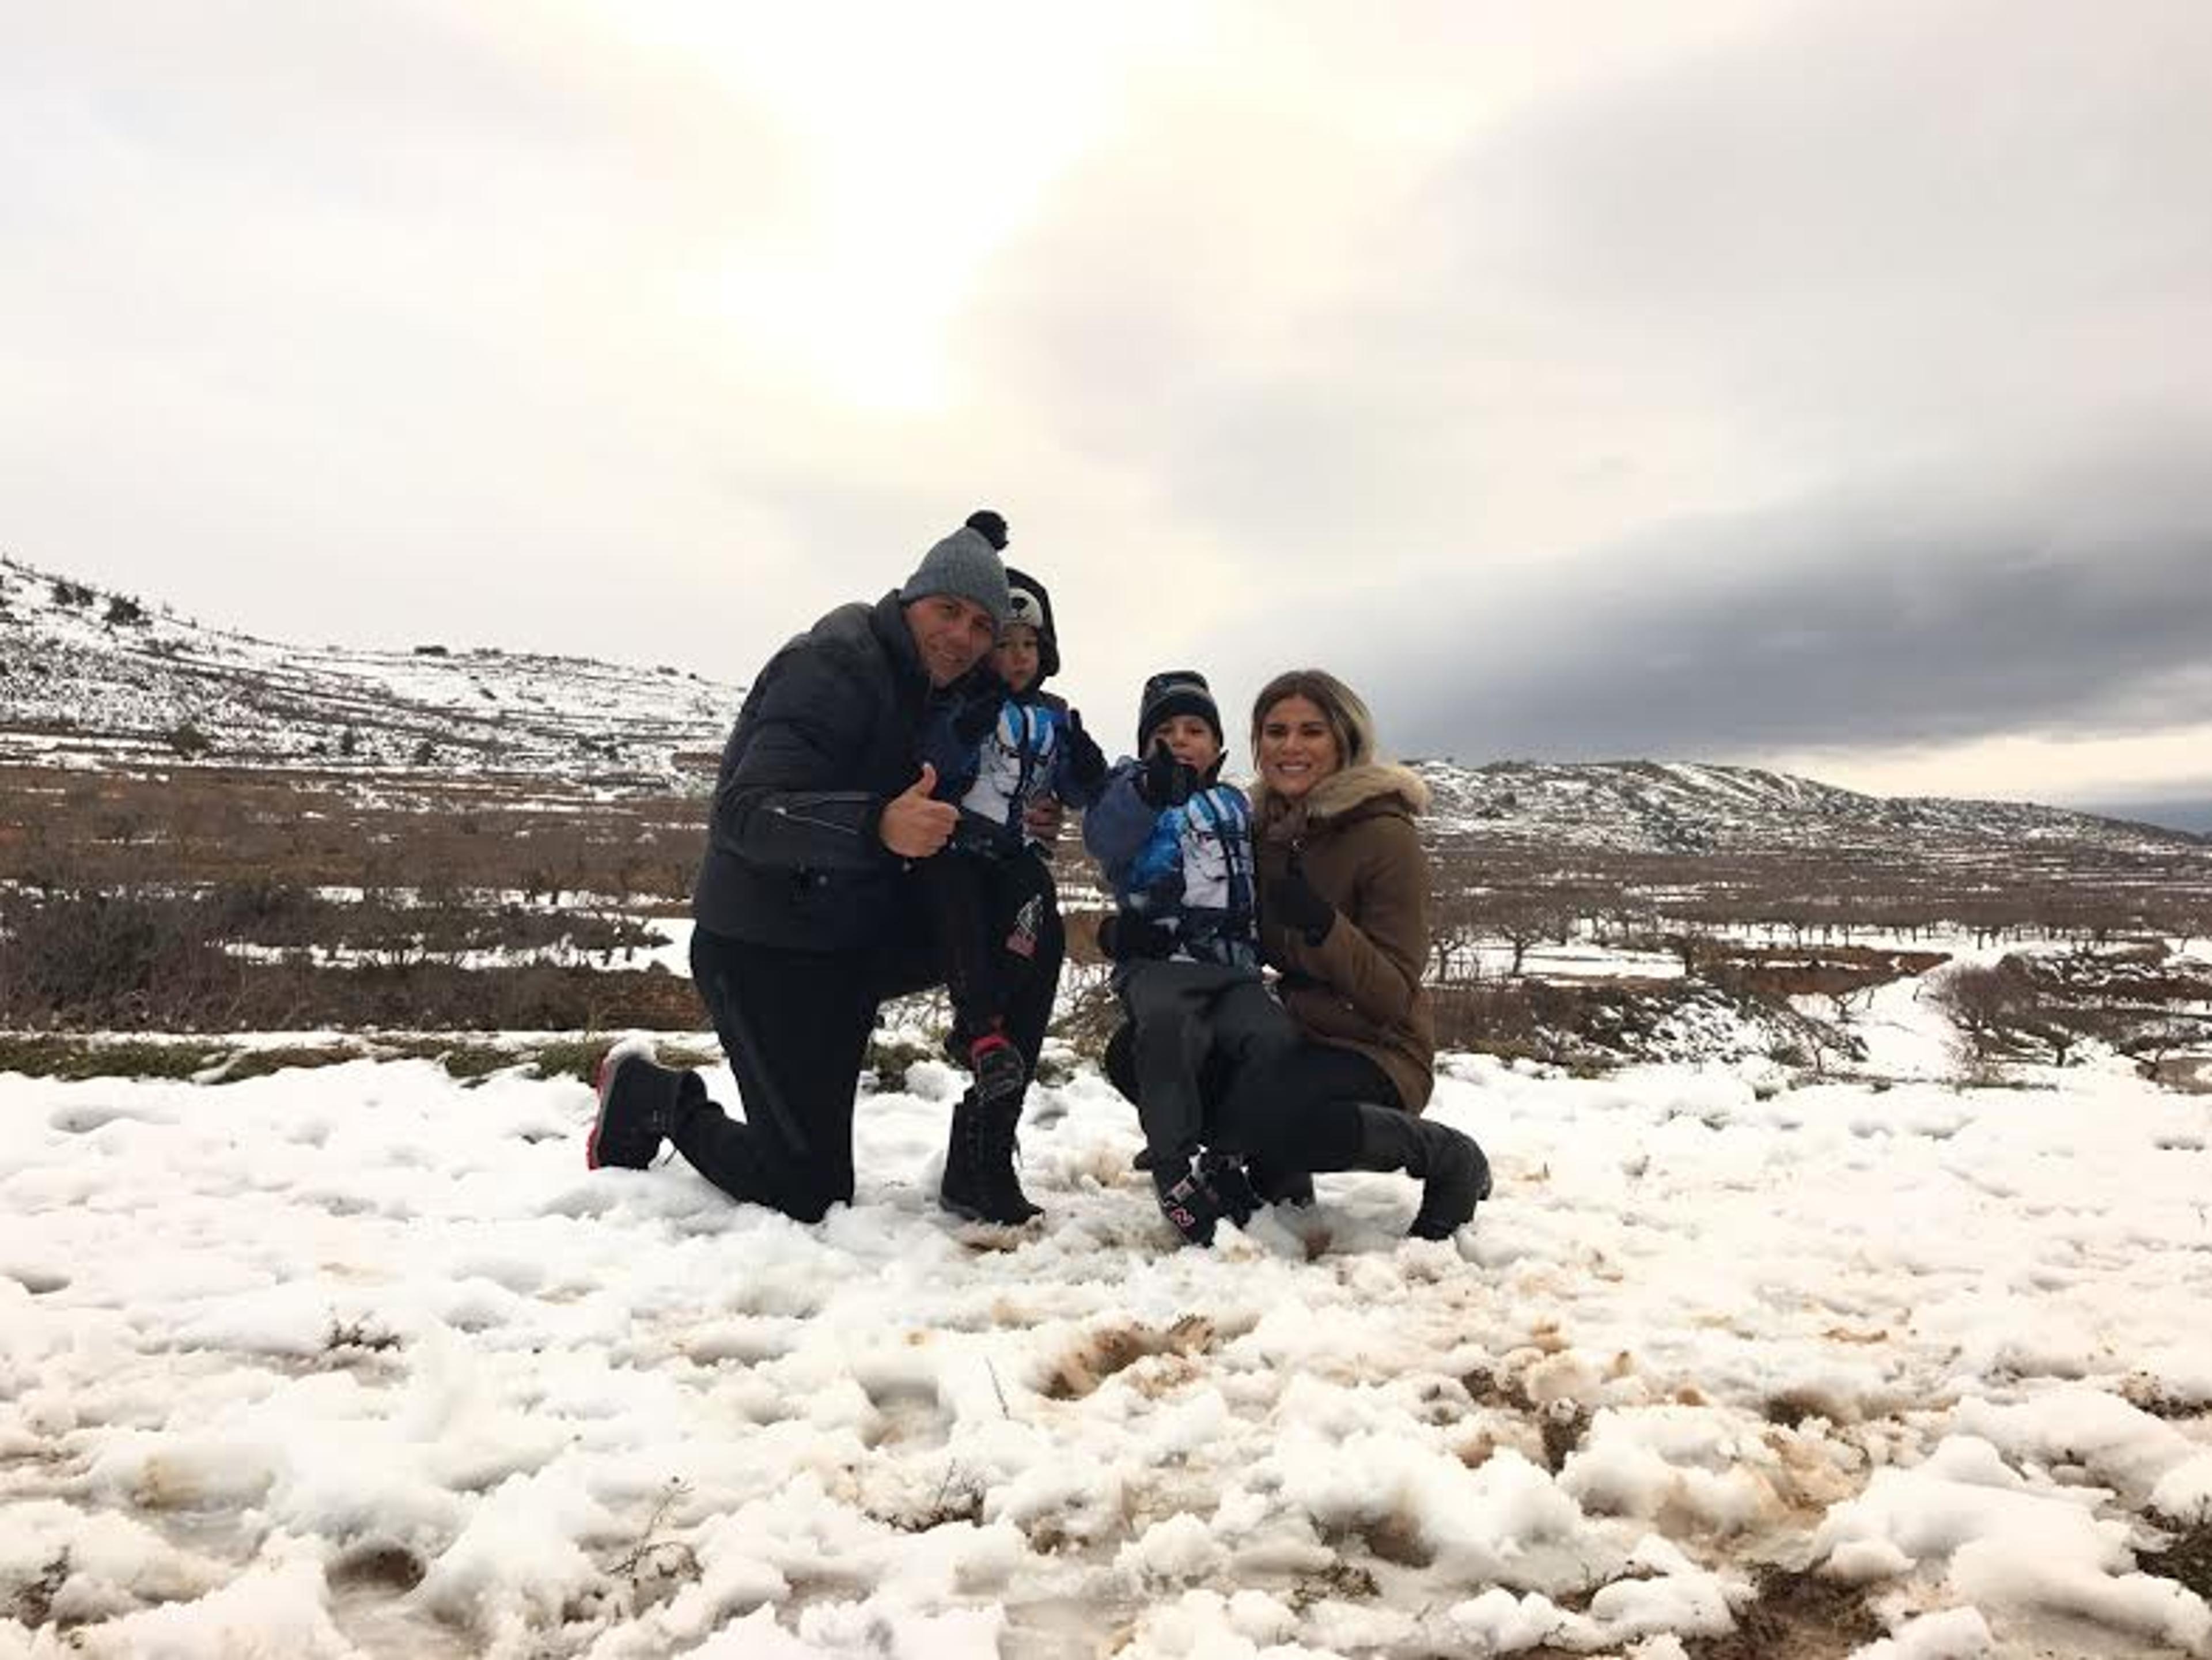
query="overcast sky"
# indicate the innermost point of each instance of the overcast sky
(1827, 385)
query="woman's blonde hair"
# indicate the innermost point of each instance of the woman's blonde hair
(1349, 721)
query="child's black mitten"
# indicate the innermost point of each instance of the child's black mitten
(1164, 781)
(1125, 937)
(1086, 762)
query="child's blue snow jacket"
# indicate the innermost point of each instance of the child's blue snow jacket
(993, 773)
(1185, 869)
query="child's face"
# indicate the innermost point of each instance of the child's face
(1188, 738)
(1015, 656)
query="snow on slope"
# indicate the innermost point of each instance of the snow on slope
(1673, 807)
(78, 688)
(75, 686)
(363, 1362)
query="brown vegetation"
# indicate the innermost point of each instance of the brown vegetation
(81, 959)
(333, 829)
(211, 899)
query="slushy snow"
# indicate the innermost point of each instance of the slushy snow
(362, 1361)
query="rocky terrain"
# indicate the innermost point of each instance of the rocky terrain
(90, 679)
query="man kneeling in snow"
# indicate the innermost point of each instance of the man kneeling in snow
(808, 913)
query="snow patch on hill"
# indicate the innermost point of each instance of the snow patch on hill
(92, 678)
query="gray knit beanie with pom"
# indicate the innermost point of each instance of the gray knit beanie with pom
(966, 565)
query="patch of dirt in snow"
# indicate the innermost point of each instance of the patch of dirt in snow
(1793, 1616)
(2187, 1561)
(1115, 1349)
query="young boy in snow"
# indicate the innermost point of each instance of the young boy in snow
(1176, 846)
(989, 892)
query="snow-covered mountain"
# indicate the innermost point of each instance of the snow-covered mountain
(1682, 807)
(89, 676)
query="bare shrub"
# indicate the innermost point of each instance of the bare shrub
(1522, 919)
(84, 957)
(1984, 1001)
(77, 959)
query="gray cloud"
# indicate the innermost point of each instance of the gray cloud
(1906, 615)
(1847, 381)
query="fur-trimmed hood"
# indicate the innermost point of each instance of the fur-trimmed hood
(1376, 784)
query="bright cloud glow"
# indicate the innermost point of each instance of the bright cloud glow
(929, 135)
(1392, 349)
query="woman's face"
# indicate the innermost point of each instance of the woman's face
(1297, 748)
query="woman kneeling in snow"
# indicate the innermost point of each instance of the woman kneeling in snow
(1343, 892)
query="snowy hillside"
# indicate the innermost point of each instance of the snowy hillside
(1660, 807)
(89, 677)
(83, 681)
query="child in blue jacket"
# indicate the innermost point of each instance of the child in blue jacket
(1176, 846)
(990, 893)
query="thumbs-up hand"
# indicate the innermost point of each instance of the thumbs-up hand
(914, 824)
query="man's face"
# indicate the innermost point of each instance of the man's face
(950, 635)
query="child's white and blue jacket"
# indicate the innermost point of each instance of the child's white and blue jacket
(1023, 755)
(1185, 869)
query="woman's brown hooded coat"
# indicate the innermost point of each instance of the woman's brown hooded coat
(1360, 988)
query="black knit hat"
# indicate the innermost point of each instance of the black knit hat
(1177, 691)
(1032, 604)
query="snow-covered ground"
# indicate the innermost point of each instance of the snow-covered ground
(362, 1361)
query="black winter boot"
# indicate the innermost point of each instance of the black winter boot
(637, 1108)
(1224, 1173)
(980, 1182)
(1001, 1079)
(1186, 1199)
(1280, 1187)
(1455, 1175)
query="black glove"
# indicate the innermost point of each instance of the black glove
(1290, 900)
(1086, 762)
(1124, 937)
(1164, 781)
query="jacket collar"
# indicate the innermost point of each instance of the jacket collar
(1361, 792)
(888, 620)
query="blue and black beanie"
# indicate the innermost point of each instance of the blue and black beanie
(1177, 691)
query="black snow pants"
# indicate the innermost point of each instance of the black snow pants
(990, 914)
(795, 1025)
(1288, 1104)
(1188, 1021)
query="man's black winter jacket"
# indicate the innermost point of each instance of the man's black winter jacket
(829, 733)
